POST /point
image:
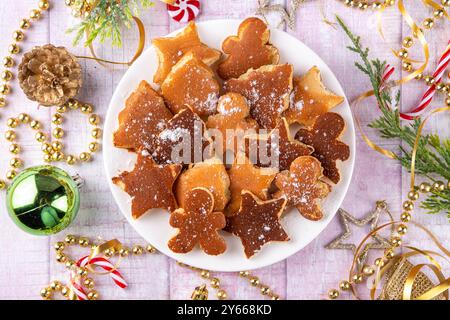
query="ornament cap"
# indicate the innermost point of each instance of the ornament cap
(79, 181)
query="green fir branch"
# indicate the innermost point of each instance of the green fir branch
(433, 153)
(106, 19)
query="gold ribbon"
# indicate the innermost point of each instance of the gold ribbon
(426, 52)
(113, 244)
(364, 136)
(444, 284)
(138, 52)
(436, 6)
(442, 287)
(417, 33)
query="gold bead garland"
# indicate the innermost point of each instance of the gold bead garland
(56, 286)
(408, 42)
(52, 150)
(14, 49)
(214, 281)
(389, 254)
(255, 282)
(363, 5)
(428, 23)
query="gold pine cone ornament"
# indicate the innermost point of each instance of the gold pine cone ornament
(50, 75)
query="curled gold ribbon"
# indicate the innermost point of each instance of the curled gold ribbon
(113, 244)
(426, 52)
(436, 6)
(434, 266)
(442, 287)
(138, 52)
(364, 136)
(417, 32)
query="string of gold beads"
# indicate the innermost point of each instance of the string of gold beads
(56, 286)
(14, 48)
(363, 5)
(214, 281)
(395, 240)
(408, 42)
(255, 282)
(53, 151)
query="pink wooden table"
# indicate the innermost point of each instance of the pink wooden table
(27, 263)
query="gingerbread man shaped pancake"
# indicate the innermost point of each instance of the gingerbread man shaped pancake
(267, 91)
(302, 187)
(198, 224)
(257, 222)
(232, 117)
(250, 49)
(149, 185)
(327, 148)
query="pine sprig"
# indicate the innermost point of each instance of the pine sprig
(433, 153)
(106, 20)
(438, 202)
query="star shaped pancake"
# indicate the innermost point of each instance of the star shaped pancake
(278, 146)
(246, 176)
(145, 115)
(267, 91)
(310, 99)
(257, 222)
(170, 51)
(149, 185)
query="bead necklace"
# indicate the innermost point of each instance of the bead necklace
(363, 5)
(56, 286)
(428, 23)
(255, 282)
(395, 240)
(214, 281)
(408, 42)
(52, 150)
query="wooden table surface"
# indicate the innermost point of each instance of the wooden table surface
(27, 263)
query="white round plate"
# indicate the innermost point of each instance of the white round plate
(154, 226)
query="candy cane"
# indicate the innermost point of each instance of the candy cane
(105, 265)
(76, 286)
(388, 71)
(428, 96)
(184, 10)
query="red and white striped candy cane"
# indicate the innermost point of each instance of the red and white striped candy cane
(428, 96)
(106, 265)
(76, 286)
(388, 71)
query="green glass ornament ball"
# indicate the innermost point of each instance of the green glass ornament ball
(43, 200)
